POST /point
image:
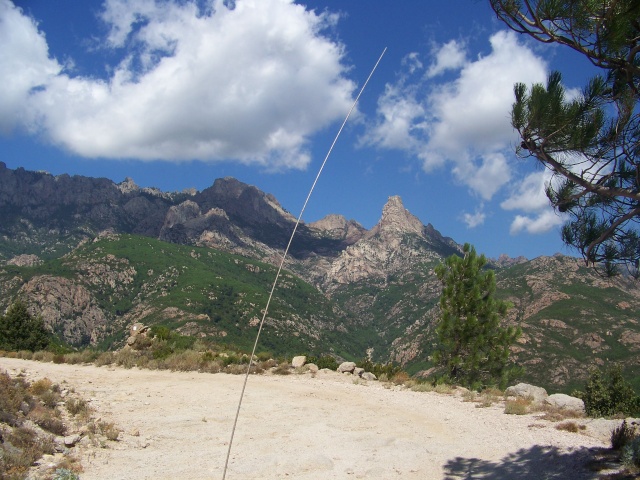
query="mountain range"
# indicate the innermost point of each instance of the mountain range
(92, 257)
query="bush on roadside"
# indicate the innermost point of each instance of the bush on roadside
(609, 394)
(631, 453)
(622, 435)
(517, 406)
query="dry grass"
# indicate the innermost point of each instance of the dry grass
(400, 378)
(555, 414)
(109, 430)
(41, 386)
(570, 426)
(518, 406)
(29, 421)
(105, 358)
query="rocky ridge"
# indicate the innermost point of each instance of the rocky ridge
(380, 281)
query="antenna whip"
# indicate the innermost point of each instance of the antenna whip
(284, 256)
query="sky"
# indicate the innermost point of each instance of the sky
(177, 93)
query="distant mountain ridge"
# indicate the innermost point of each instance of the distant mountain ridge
(74, 247)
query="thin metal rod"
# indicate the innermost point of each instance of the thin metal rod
(284, 256)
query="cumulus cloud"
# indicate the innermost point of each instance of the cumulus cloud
(249, 80)
(473, 220)
(464, 123)
(535, 224)
(451, 56)
(25, 65)
(529, 196)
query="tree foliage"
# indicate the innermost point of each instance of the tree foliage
(473, 347)
(607, 394)
(19, 330)
(590, 143)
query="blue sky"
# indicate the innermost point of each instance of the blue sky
(175, 94)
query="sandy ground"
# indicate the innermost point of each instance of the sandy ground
(177, 426)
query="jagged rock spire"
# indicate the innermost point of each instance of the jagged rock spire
(397, 219)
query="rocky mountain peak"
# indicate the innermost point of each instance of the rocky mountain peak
(128, 186)
(338, 227)
(397, 219)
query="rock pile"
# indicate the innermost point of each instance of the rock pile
(351, 369)
(348, 368)
(539, 396)
(138, 334)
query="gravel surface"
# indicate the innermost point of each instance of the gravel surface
(178, 425)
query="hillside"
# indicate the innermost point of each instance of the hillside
(93, 257)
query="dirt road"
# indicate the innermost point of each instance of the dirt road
(177, 426)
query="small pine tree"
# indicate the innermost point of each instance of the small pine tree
(21, 331)
(474, 348)
(609, 394)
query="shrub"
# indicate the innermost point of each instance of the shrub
(25, 354)
(47, 420)
(423, 387)
(109, 430)
(105, 358)
(400, 378)
(65, 474)
(185, 361)
(609, 394)
(631, 453)
(43, 356)
(126, 358)
(622, 435)
(160, 332)
(283, 368)
(264, 356)
(76, 406)
(41, 386)
(518, 406)
(378, 369)
(26, 449)
(58, 358)
(570, 426)
(20, 331)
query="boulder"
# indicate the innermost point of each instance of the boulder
(298, 361)
(524, 390)
(565, 402)
(347, 367)
(312, 367)
(71, 440)
(358, 371)
(369, 376)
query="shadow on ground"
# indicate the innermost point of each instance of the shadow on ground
(535, 463)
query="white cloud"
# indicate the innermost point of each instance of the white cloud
(536, 224)
(451, 56)
(486, 176)
(529, 194)
(473, 220)
(24, 64)
(250, 82)
(464, 123)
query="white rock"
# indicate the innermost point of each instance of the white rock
(538, 394)
(565, 402)
(298, 361)
(347, 367)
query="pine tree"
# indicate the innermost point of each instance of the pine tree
(21, 331)
(473, 347)
(590, 142)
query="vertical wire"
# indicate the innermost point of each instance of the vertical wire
(284, 256)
